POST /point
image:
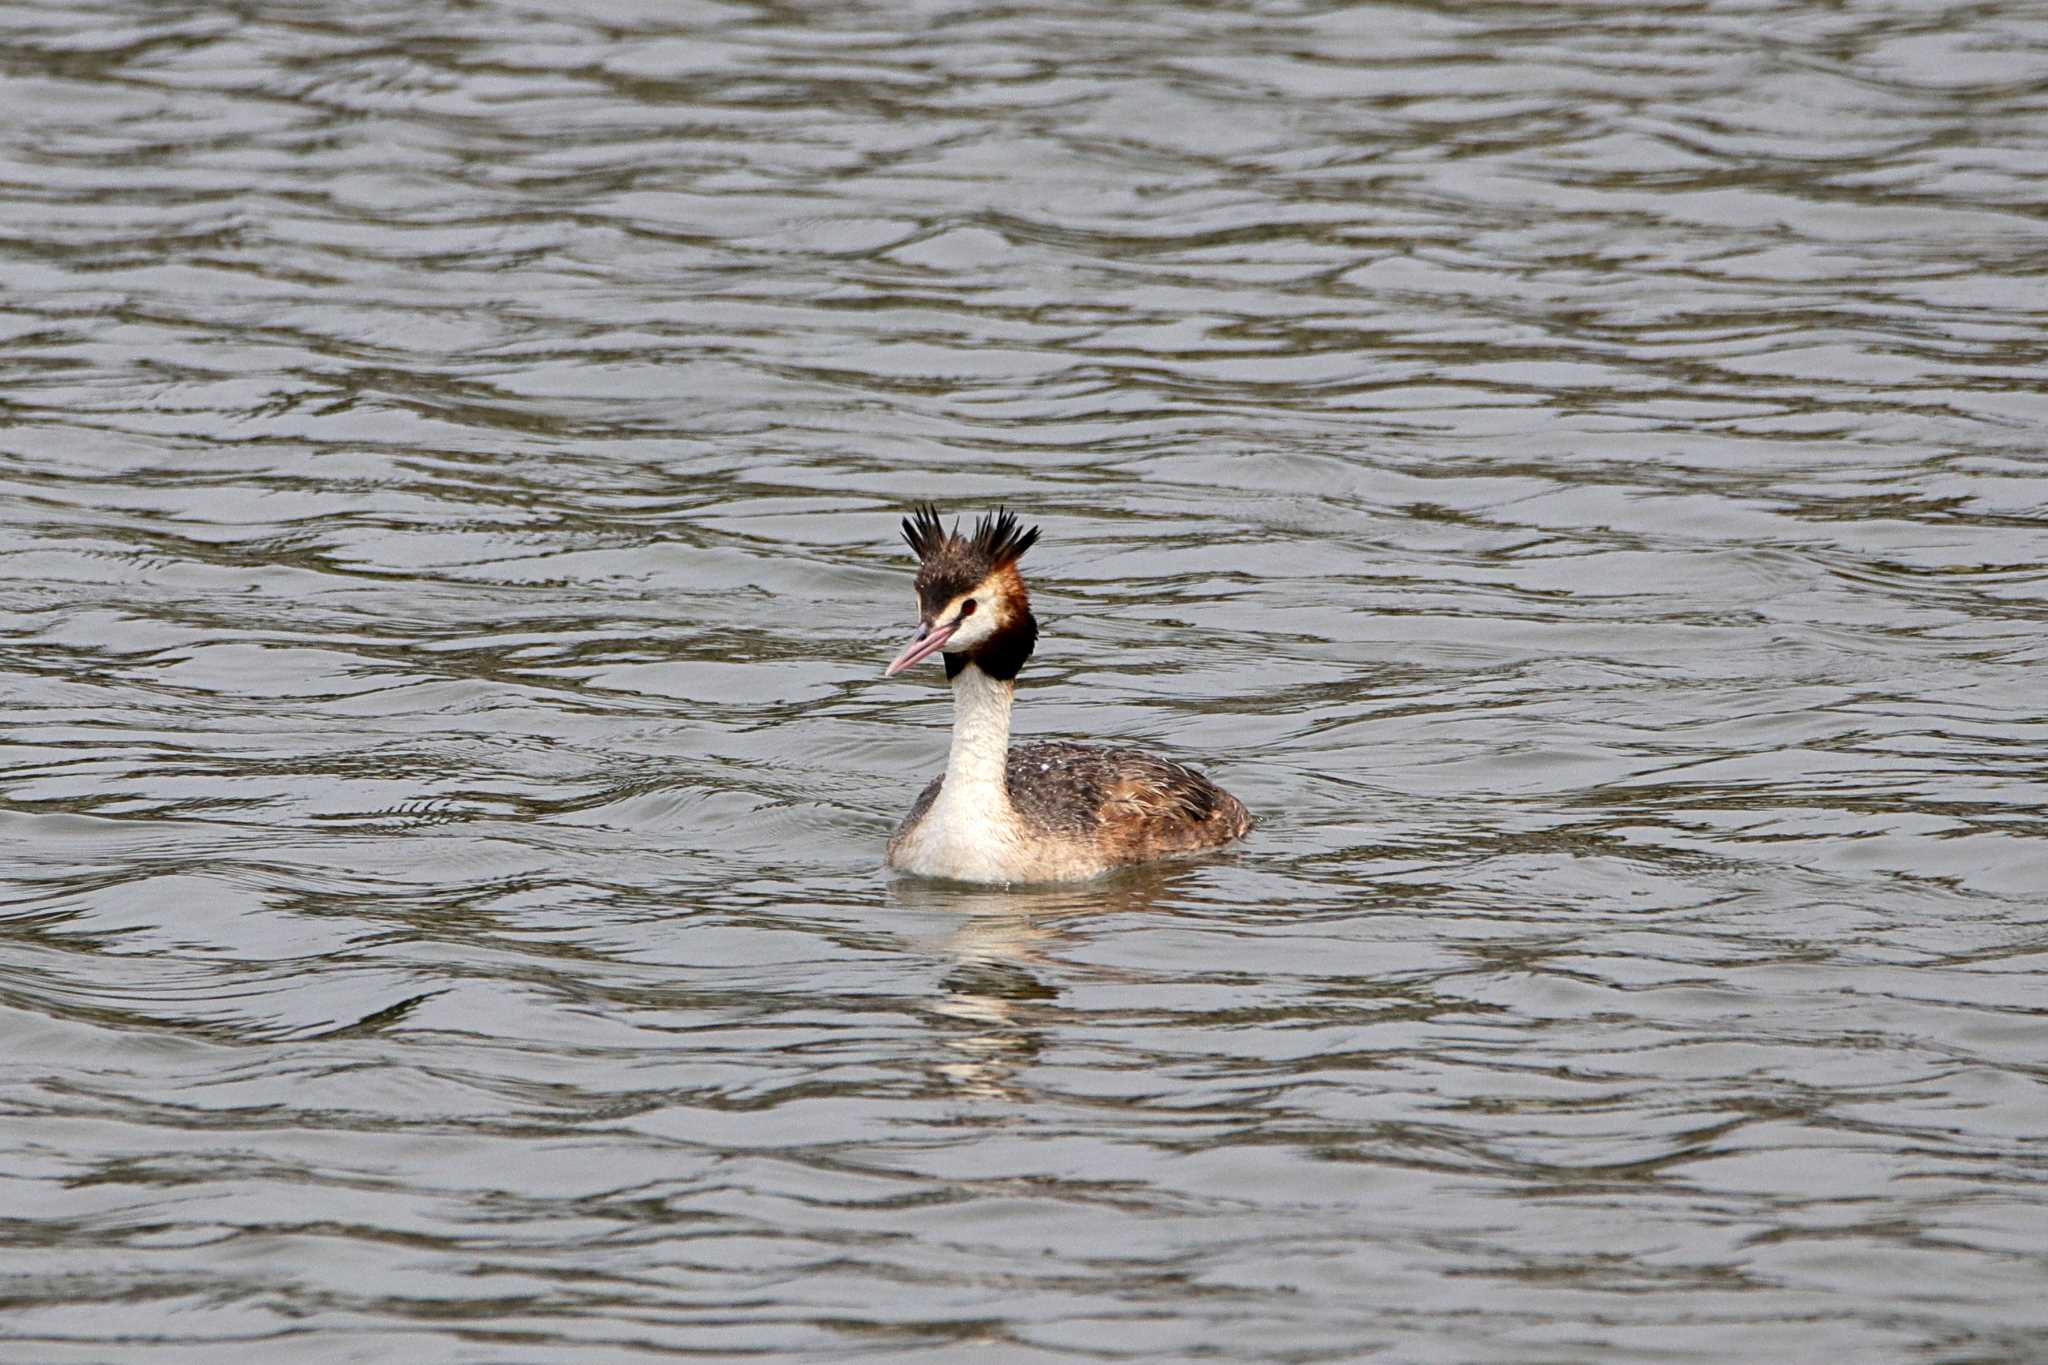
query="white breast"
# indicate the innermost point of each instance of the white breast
(963, 842)
(971, 832)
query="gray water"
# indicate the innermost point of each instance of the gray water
(1576, 471)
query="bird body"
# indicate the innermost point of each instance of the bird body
(1047, 812)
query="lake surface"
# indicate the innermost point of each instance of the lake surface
(1576, 471)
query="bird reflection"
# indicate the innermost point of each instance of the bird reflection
(996, 1004)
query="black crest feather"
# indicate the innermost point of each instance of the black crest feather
(1001, 539)
(998, 539)
(923, 533)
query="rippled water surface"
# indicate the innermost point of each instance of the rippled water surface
(1576, 471)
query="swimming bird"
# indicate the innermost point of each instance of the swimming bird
(1051, 812)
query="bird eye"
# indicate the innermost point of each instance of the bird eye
(967, 608)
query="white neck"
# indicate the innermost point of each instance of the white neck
(971, 832)
(981, 741)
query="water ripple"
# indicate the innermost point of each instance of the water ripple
(1572, 471)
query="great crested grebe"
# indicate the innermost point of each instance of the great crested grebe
(1038, 812)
